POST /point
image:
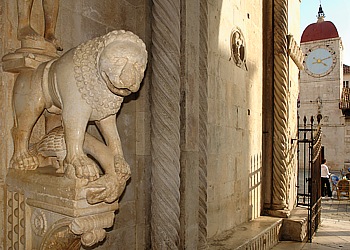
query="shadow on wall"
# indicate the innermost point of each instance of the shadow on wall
(231, 91)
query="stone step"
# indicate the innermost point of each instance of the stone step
(261, 233)
(295, 227)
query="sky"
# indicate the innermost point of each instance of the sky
(336, 11)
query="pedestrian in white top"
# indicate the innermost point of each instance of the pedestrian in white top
(325, 185)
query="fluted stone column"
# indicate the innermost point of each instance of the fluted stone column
(165, 124)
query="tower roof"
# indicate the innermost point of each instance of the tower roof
(320, 30)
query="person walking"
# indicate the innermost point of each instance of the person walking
(325, 185)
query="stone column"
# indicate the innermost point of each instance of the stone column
(268, 102)
(279, 154)
(203, 121)
(194, 78)
(280, 141)
(165, 124)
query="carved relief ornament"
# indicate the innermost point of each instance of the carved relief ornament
(295, 52)
(238, 48)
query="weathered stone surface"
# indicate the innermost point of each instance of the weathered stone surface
(45, 203)
(295, 228)
(261, 233)
(222, 162)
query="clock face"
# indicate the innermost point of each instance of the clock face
(320, 61)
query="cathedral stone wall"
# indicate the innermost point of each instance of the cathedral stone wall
(235, 116)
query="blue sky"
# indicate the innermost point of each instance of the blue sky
(336, 11)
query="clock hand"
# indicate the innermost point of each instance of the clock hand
(324, 58)
(318, 62)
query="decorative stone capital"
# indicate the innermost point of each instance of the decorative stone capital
(295, 52)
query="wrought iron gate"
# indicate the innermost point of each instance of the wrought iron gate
(310, 153)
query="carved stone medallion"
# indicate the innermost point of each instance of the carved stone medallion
(238, 48)
(39, 222)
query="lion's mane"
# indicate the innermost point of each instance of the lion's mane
(90, 84)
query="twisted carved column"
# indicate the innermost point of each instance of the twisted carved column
(165, 124)
(203, 110)
(280, 148)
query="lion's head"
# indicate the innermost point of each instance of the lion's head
(109, 67)
(122, 62)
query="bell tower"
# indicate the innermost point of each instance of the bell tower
(321, 85)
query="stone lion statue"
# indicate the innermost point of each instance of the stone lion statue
(87, 83)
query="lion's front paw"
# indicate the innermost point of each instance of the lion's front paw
(122, 168)
(24, 161)
(84, 167)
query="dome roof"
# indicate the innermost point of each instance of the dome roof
(320, 30)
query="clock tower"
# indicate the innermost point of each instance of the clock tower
(321, 86)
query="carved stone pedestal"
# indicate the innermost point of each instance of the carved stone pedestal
(29, 56)
(46, 210)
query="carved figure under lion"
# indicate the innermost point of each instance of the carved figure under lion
(87, 83)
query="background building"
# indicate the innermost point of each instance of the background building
(321, 86)
(345, 107)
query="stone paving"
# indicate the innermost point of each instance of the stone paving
(334, 232)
